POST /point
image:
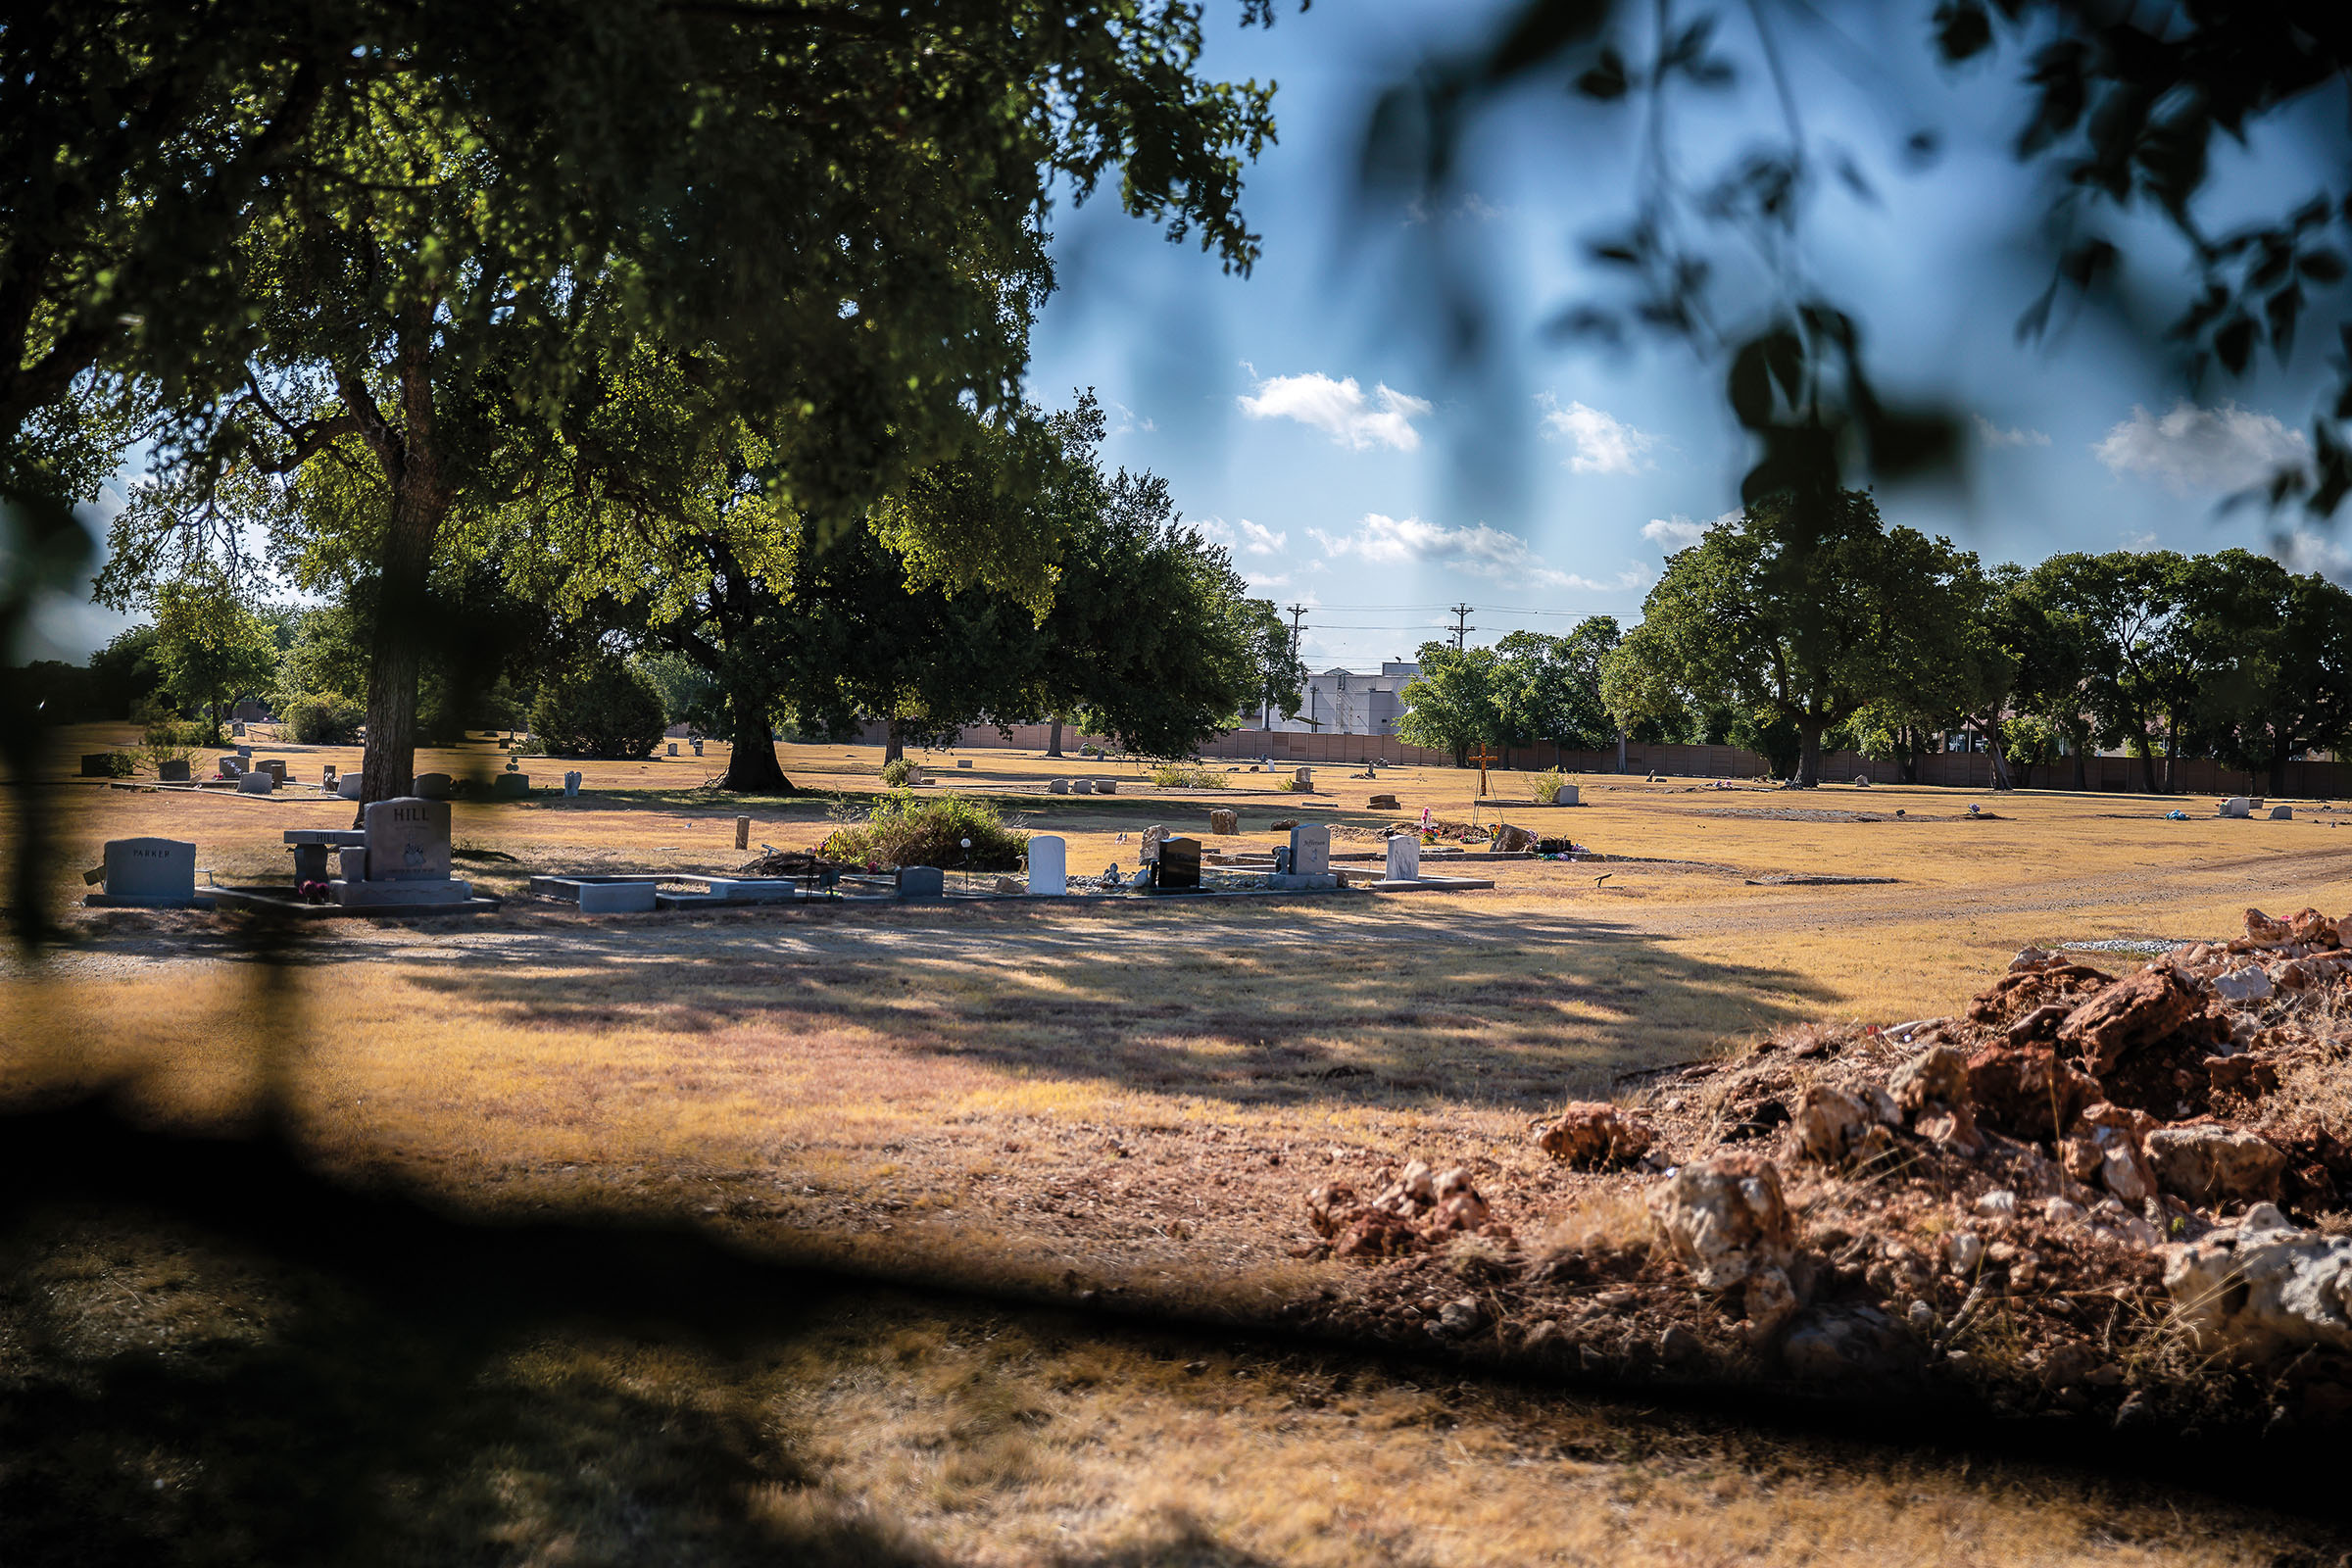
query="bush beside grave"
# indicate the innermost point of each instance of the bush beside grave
(1190, 776)
(605, 708)
(179, 732)
(897, 771)
(929, 830)
(324, 720)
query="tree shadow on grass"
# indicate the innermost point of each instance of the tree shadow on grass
(375, 1382)
(1387, 1009)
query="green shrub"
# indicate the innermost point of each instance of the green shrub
(1190, 776)
(897, 771)
(179, 732)
(1547, 782)
(605, 708)
(324, 720)
(904, 830)
(121, 763)
(1291, 785)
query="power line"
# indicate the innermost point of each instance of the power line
(1460, 613)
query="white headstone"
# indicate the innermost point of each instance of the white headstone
(1082, 786)
(616, 897)
(2282, 814)
(1310, 850)
(1566, 795)
(1049, 865)
(151, 870)
(1107, 786)
(408, 840)
(1058, 786)
(571, 785)
(1404, 858)
(2238, 805)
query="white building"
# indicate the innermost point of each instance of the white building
(1347, 702)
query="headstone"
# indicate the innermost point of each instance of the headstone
(236, 730)
(922, 882)
(348, 786)
(616, 897)
(571, 788)
(97, 765)
(1082, 786)
(408, 840)
(1049, 865)
(743, 832)
(510, 786)
(231, 767)
(1310, 848)
(157, 871)
(698, 747)
(1153, 836)
(673, 748)
(1861, 781)
(1107, 786)
(1304, 776)
(256, 782)
(1381, 803)
(431, 786)
(2282, 814)
(1179, 863)
(274, 766)
(1224, 822)
(1404, 858)
(328, 772)
(1058, 786)
(963, 762)
(1567, 795)
(173, 770)
(2238, 805)
(245, 751)
(915, 775)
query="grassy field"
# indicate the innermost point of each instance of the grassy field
(1085, 1101)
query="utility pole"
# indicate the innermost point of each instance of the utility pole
(1296, 611)
(1459, 613)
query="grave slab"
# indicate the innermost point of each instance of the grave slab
(617, 898)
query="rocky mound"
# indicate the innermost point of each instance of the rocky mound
(2125, 1196)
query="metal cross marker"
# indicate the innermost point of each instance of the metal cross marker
(1483, 757)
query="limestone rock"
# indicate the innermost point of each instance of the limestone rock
(1509, 839)
(2137, 1010)
(1857, 1342)
(2117, 1134)
(1223, 821)
(2248, 983)
(1939, 1072)
(2261, 1290)
(1829, 1122)
(2012, 1088)
(1459, 1316)
(2208, 1164)
(1725, 1219)
(1593, 1135)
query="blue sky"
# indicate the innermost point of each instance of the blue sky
(1302, 419)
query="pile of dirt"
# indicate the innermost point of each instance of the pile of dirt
(795, 864)
(2127, 1196)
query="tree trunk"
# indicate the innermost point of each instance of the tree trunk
(2081, 769)
(1053, 738)
(2147, 765)
(1808, 755)
(2280, 756)
(1997, 744)
(751, 766)
(388, 766)
(892, 747)
(2172, 758)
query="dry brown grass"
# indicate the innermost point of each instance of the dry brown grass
(1133, 1098)
(877, 1428)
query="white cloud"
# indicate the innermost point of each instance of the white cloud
(1245, 536)
(1341, 410)
(1604, 443)
(1124, 418)
(2302, 551)
(1478, 551)
(1992, 435)
(1679, 532)
(2189, 448)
